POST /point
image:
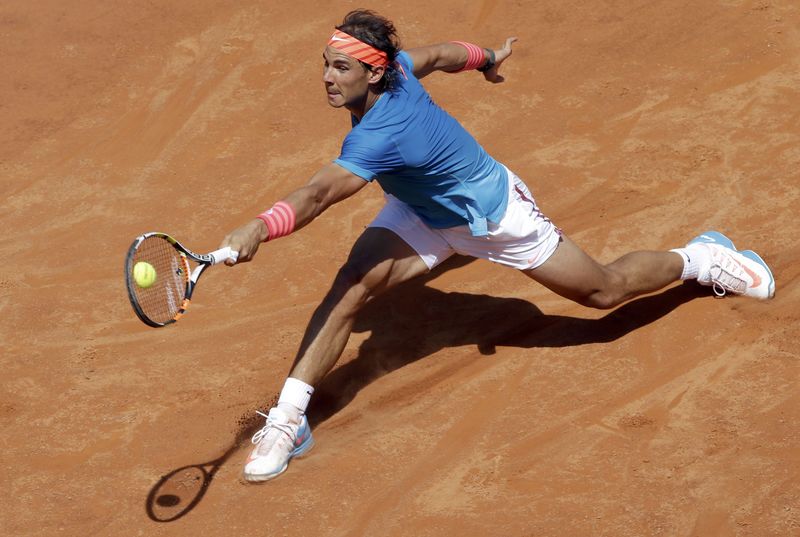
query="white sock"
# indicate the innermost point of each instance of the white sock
(294, 397)
(694, 256)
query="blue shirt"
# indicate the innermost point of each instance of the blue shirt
(418, 153)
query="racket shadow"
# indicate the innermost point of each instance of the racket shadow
(180, 491)
(402, 333)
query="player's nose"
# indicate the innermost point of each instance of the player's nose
(326, 76)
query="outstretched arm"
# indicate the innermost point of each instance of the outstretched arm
(452, 57)
(329, 185)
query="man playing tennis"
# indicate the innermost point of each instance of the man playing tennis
(444, 195)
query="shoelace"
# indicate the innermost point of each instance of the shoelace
(283, 427)
(726, 280)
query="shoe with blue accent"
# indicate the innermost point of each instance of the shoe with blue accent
(713, 237)
(279, 441)
(727, 270)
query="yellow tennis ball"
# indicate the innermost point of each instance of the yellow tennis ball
(144, 274)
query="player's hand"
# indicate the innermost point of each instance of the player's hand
(500, 55)
(245, 240)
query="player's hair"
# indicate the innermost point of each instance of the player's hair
(379, 32)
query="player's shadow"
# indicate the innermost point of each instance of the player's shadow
(414, 320)
(411, 322)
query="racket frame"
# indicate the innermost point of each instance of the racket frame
(190, 276)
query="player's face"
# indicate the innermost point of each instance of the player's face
(346, 81)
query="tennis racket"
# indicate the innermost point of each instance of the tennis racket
(162, 296)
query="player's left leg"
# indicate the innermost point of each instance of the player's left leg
(710, 258)
(573, 274)
(527, 240)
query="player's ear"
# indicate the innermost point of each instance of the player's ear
(376, 73)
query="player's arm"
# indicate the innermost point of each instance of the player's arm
(458, 56)
(329, 185)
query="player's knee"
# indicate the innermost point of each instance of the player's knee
(350, 288)
(599, 300)
(608, 296)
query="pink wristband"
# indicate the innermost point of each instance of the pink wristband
(280, 220)
(475, 56)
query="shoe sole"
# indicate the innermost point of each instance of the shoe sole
(298, 452)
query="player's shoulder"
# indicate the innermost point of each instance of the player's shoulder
(404, 64)
(405, 61)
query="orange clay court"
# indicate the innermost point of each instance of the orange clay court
(469, 402)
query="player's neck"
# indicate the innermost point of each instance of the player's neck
(360, 110)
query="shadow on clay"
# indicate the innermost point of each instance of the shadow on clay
(413, 321)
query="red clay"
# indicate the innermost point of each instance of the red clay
(471, 402)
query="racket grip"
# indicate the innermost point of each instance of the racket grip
(223, 254)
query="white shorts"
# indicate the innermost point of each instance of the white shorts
(523, 239)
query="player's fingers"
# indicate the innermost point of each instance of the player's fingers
(230, 262)
(508, 43)
(239, 261)
(502, 54)
(505, 51)
(246, 253)
(229, 242)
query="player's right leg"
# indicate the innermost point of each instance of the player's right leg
(379, 260)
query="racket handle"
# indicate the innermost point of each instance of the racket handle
(223, 254)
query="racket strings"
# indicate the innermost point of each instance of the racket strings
(162, 300)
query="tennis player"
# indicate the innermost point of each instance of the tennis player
(444, 195)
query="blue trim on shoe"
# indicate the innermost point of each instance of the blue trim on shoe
(303, 432)
(713, 237)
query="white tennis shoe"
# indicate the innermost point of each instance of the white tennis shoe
(728, 270)
(280, 440)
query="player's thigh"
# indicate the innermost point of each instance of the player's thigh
(571, 272)
(380, 259)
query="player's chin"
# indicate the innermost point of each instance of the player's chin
(335, 100)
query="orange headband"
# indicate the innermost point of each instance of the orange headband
(358, 49)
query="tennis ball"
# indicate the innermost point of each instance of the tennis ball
(144, 274)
